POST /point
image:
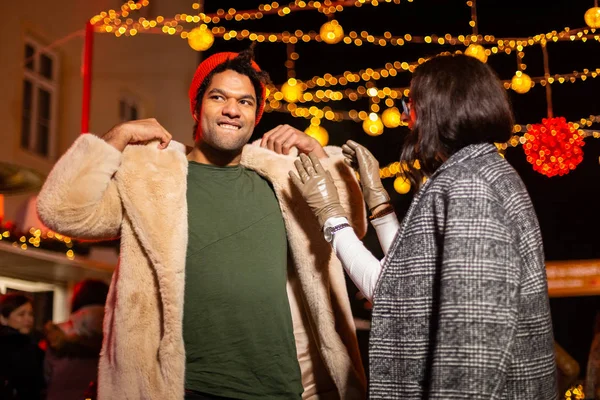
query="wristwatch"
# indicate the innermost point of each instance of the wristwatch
(330, 230)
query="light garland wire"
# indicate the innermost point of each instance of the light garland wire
(394, 168)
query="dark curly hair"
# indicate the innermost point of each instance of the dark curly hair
(242, 64)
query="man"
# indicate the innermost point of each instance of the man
(205, 283)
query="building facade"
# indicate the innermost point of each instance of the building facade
(133, 77)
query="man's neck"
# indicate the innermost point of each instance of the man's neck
(203, 154)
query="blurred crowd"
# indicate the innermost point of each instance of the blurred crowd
(62, 361)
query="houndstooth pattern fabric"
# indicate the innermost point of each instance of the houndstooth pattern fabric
(461, 310)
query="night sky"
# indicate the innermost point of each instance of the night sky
(566, 206)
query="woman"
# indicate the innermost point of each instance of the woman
(460, 303)
(71, 365)
(21, 360)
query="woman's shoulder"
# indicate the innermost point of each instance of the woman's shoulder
(485, 170)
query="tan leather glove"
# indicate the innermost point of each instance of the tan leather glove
(361, 159)
(317, 188)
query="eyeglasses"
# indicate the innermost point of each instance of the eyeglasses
(405, 101)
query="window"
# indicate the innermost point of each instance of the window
(49, 300)
(129, 109)
(40, 95)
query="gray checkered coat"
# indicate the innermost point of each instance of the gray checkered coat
(461, 310)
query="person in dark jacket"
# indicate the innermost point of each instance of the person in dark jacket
(71, 365)
(21, 360)
(460, 302)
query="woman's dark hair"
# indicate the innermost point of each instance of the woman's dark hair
(11, 301)
(242, 64)
(458, 101)
(89, 292)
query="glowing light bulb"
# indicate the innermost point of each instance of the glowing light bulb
(292, 90)
(520, 83)
(477, 51)
(319, 133)
(331, 32)
(592, 17)
(373, 126)
(201, 38)
(401, 185)
(391, 117)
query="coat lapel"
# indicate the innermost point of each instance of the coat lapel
(319, 272)
(152, 184)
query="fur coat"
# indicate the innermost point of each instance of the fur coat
(96, 192)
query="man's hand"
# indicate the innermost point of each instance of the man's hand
(283, 137)
(137, 132)
(361, 159)
(317, 188)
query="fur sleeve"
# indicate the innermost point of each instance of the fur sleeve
(80, 197)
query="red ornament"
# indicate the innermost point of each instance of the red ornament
(553, 147)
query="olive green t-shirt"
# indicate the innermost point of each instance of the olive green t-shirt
(237, 323)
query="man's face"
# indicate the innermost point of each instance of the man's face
(228, 112)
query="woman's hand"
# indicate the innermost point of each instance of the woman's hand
(317, 188)
(361, 159)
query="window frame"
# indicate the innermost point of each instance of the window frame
(38, 81)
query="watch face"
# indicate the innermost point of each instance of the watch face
(328, 234)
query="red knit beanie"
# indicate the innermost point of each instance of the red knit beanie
(206, 67)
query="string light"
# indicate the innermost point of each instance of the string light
(325, 7)
(562, 78)
(575, 393)
(112, 23)
(520, 54)
(393, 93)
(118, 24)
(473, 21)
(362, 116)
(37, 239)
(358, 39)
(394, 168)
(290, 63)
(112, 15)
(390, 69)
(373, 125)
(111, 18)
